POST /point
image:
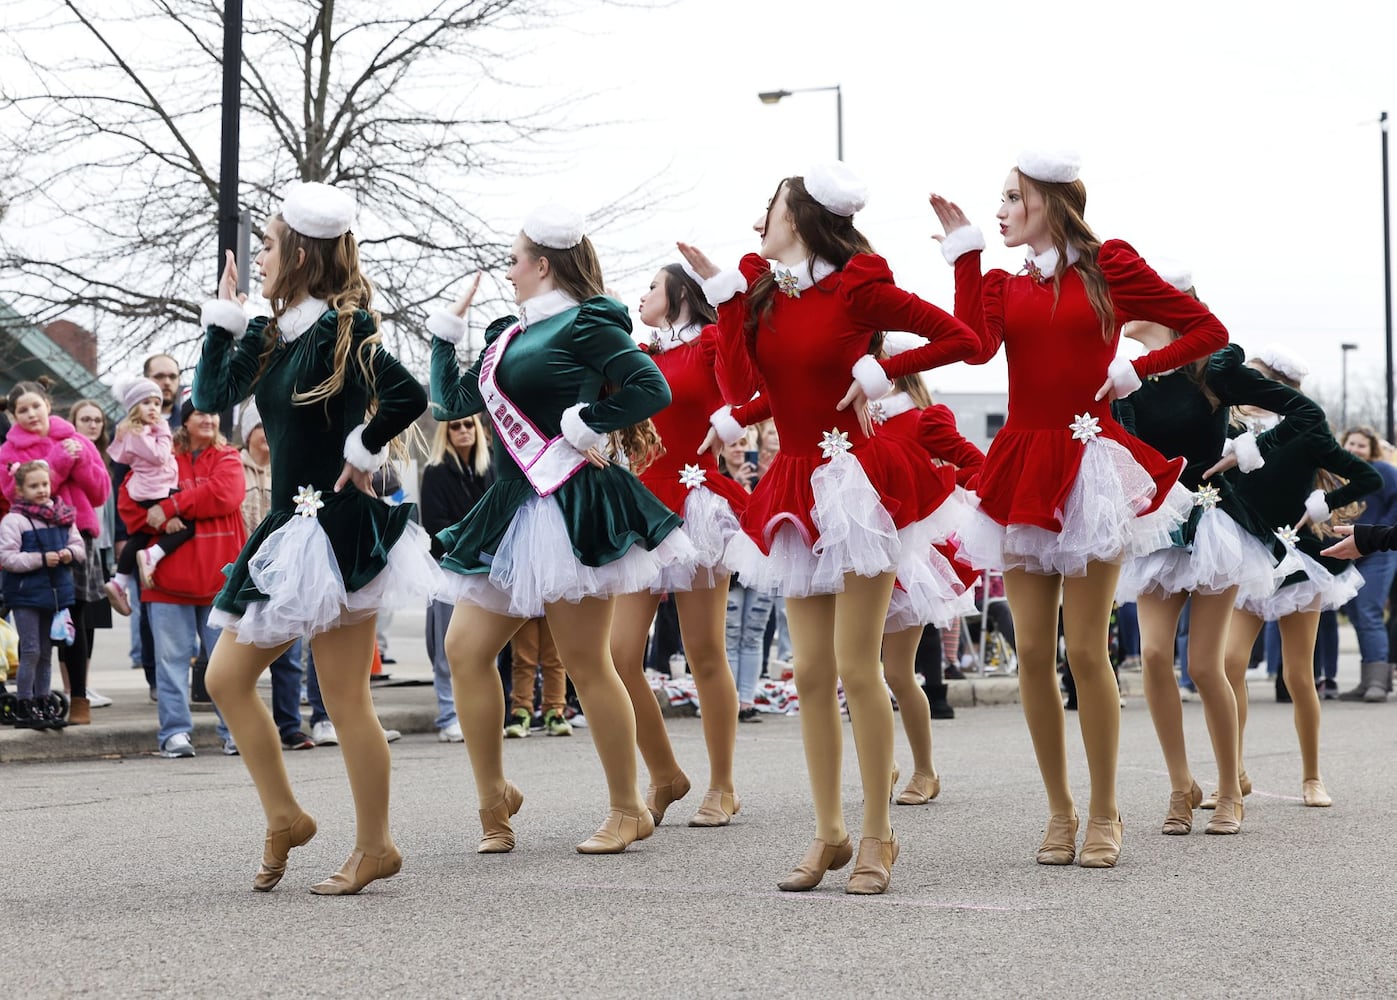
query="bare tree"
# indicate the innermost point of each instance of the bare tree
(118, 148)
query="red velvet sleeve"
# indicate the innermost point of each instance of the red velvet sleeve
(868, 288)
(1139, 293)
(738, 378)
(938, 434)
(754, 411)
(980, 304)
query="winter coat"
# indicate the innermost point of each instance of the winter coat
(80, 481)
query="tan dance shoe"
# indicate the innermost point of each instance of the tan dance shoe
(716, 809)
(1245, 782)
(921, 789)
(1227, 818)
(873, 869)
(892, 783)
(494, 822)
(659, 798)
(359, 871)
(1211, 802)
(1101, 848)
(1179, 820)
(1314, 794)
(1059, 844)
(276, 849)
(820, 858)
(621, 830)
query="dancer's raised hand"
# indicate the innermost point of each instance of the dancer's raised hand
(950, 214)
(459, 307)
(698, 260)
(228, 281)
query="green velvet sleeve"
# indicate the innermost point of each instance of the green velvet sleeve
(1236, 384)
(227, 367)
(400, 397)
(602, 342)
(1362, 478)
(455, 393)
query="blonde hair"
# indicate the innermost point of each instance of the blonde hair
(25, 469)
(640, 443)
(131, 423)
(1064, 206)
(914, 386)
(441, 449)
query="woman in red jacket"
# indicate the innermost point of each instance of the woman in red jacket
(211, 488)
(1066, 493)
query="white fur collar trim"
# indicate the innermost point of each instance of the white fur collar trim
(668, 340)
(808, 272)
(1045, 263)
(544, 306)
(299, 318)
(885, 409)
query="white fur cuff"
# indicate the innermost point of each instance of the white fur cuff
(1316, 507)
(357, 454)
(576, 431)
(226, 314)
(1124, 378)
(1248, 454)
(729, 430)
(871, 377)
(961, 241)
(723, 286)
(447, 327)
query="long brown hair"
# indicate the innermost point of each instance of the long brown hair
(576, 271)
(1065, 206)
(104, 438)
(830, 237)
(328, 269)
(682, 290)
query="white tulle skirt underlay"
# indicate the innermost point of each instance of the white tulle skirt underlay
(296, 568)
(1321, 590)
(1101, 520)
(1222, 555)
(711, 525)
(535, 566)
(928, 590)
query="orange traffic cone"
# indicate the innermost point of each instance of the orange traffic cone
(376, 672)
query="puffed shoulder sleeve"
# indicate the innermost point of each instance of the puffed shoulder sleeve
(1139, 293)
(938, 434)
(228, 367)
(602, 341)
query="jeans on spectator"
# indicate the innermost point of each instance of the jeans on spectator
(1271, 636)
(748, 611)
(438, 618)
(317, 704)
(1181, 647)
(1128, 629)
(1326, 663)
(1365, 611)
(783, 632)
(176, 630)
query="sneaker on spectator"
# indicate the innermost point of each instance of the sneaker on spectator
(554, 724)
(297, 741)
(392, 735)
(178, 745)
(95, 700)
(451, 733)
(324, 734)
(519, 727)
(230, 749)
(953, 673)
(749, 714)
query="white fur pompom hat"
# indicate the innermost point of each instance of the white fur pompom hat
(836, 187)
(1280, 358)
(317, 210)
(1052, 166)
(555, 226)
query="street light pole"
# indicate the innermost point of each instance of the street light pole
(1343, 383)
(228, 215)
(1387, 271)
(774, 96)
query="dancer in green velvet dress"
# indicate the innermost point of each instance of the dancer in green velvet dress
(562, 530)
(329, 554)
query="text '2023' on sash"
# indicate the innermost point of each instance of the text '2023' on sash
(547, 462)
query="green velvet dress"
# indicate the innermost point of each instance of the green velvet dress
(307, 445)
(606, 514)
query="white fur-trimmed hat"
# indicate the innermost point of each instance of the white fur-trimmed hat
(555, 226)
(317, 210)
(836, 187)
(1176, 272)
(135, 390)
(1054, 166)
(1282, 359)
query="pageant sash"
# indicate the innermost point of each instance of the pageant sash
(548, 463)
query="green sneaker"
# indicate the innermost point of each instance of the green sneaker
(556, 724)
(519, 728)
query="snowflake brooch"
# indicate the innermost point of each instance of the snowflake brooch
(692, 476)
(788, 283)
(1289, 535)
(876, 413)
(1085, 428)
(308, 502)
(1207, 496)
(835, 443)
(1033, 270)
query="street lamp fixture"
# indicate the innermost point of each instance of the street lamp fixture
(1343, 390)
(774, 97)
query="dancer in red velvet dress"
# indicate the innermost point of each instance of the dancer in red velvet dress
(1066, 493)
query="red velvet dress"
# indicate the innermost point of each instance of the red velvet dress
(685, 481)
(833, 501)
(1063, 483)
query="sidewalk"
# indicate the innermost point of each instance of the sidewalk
(405, 702)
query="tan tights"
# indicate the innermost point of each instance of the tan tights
(581, 631)
(702, 616)
(899, 666)
(1209, 618)
(836, 637)
(345, 656)
(1298, 633)
(1086, 616)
